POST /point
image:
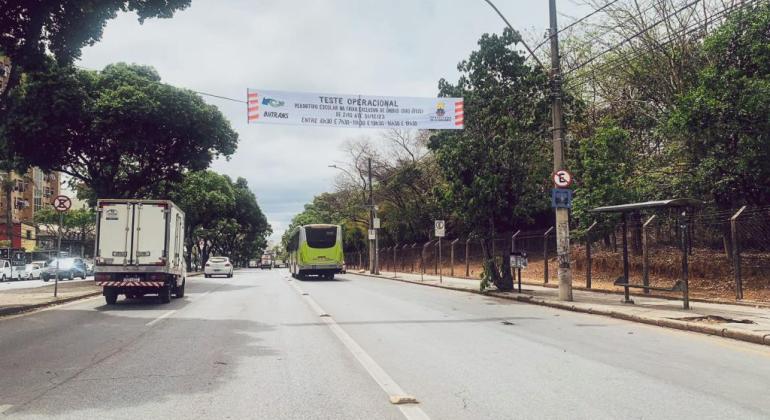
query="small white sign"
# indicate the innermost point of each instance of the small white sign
(519, 261)
(440, 228)
(372, 234)
(376, 223)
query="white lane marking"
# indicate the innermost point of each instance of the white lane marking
(411, 412)
(151, 323)
(202, 295)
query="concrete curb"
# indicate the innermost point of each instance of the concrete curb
(14, 310)
(717, 330)
(747, 303)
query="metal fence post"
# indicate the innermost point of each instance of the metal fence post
(685, 266)
(452, 257)
(589, 260)
(646, 255)
(545, 254)
(737, 253)
(422, 260)
(395, 268)
(412, 258)
(467, 257)
(436, 246)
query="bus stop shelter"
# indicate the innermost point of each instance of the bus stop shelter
(684, 206)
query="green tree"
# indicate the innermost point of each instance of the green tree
(120, 131)
(604, 171)
(204, 196)
(495, 169)
(78, 223)
(723, 122)
(32, 30)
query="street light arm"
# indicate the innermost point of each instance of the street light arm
(531, 53)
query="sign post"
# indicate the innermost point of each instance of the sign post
(440, 228)
(61, 204)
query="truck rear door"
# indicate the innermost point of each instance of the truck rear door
(150, 234)
(114, 241)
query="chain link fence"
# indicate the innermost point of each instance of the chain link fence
(728, 254)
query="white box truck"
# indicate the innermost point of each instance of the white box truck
(139, 249)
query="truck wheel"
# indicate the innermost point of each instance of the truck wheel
(2, 278)
(179, 291)
(164, 294)
(110, 296)
(45, 278)
(71, 276)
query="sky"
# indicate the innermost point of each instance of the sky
(368, 47)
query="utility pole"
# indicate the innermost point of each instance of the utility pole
(371, 220)
(562, 214)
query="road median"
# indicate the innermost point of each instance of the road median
(738, 322)
(16, 301)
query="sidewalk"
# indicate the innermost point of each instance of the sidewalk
(13, 301)
(738, 322)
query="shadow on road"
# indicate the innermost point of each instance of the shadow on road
(321, 279)
(124, 362)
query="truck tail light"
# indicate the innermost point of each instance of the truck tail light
(102, 277)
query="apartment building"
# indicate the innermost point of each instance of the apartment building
(31, 192)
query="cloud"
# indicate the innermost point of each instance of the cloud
(396, 48)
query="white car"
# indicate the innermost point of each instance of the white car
(34, 270)
(218, 266)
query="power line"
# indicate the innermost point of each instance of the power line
(598, 37)
(601, 9)
(531, 53)
(629, 39)
(614, 63)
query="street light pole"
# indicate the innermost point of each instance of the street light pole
(562, 214)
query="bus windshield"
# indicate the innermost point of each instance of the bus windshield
(321, 237)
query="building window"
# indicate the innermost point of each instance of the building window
(29, 234)
(38, 192)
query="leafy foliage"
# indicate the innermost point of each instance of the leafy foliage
(120, 131)
(221, 217)
(34, 29)
(723, 122)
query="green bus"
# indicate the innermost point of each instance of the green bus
(316, 250)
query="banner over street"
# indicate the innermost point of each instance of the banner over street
(356, 111)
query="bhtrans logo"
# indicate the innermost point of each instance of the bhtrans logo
(275, 103)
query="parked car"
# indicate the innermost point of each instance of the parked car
(218, 266)
(89, 267)
(69, 268)
(10, 272)
(34, 270)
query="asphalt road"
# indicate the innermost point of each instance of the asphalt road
(260, 346)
